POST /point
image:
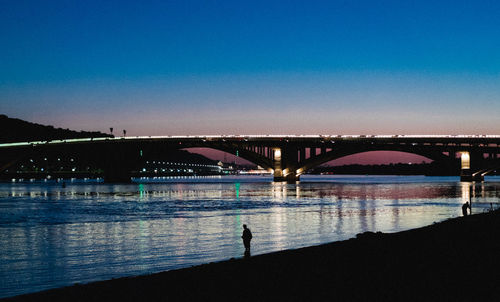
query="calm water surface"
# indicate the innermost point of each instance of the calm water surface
(52, 236)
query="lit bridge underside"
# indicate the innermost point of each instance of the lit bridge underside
(287, 156)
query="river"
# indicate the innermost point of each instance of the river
(53, 235)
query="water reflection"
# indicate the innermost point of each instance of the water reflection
(52, 236)
(279, 190)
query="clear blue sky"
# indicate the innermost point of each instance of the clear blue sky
(253, 67)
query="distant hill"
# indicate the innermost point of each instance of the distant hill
(16, 130)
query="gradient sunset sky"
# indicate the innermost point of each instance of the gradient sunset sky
(253, 67)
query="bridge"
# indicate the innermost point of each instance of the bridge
(286, 156)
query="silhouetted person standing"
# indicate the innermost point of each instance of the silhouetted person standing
(465, 207)
(247, 236)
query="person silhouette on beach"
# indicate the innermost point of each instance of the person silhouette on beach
(247, 236)
(465, 206)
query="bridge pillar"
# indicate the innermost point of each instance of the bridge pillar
(277, 165)
(468, 176)
(466, 171)
(120, 161)
(292, 177)
(302, 154)
(285, 163)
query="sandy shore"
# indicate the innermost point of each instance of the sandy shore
(455, 260)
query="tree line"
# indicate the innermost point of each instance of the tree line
(17, 130)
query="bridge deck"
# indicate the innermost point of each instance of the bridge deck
(457, 139)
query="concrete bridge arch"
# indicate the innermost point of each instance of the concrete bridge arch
(293, 169)
(288, 156)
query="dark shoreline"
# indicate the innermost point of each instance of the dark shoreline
(457, 259)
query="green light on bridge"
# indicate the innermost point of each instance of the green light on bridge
(140, 153)
(237, 153)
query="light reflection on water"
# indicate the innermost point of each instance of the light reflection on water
(52, 236)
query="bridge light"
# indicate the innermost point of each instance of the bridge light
(465, 158)
(277, 154)
(237, 153)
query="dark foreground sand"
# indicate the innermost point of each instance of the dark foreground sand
(455, 260)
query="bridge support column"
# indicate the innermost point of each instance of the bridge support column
(277, 165)
(119, 164)
(466, 172)
(285, 163)
(292, 177)
(468, 176)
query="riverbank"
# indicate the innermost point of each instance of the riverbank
(458, 259)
